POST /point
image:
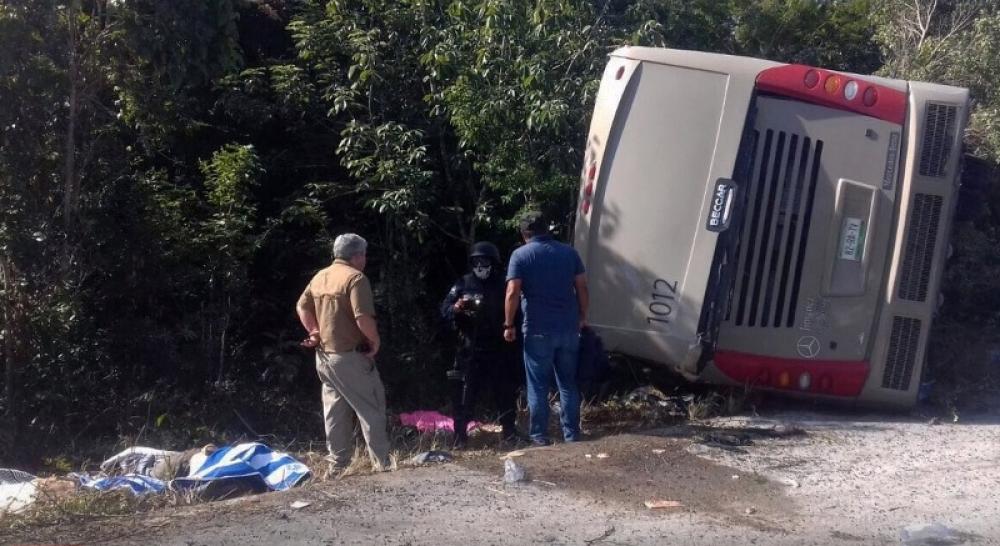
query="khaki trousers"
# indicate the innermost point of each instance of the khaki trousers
(352, 387)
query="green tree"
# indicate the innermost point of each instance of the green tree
(230, 236)
(453, 115)
(172, 173)
(81, 194)
(838, 35)
(55, 121)
(957, 42)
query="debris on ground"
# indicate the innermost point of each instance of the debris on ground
(56, 487)
(157, 463)
(781, 430)
(790, 482)
(136, 484)
(11, 475)
(735, 439)
(646, 394)
(432, 457)
(18, 489)
(662, 504)
(515, 453)
(513, 472)
(299, 504)
(254, 463)
(432, 421)
(645, 406)
(726, 440)
(933, 534)
(228, 471)
(602, 455)
(146, 461)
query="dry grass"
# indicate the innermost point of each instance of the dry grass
(405, 444)
(614, 415)
(608, 416)
(648, 407)
(717, 404)
(69, 504)
(56, 508)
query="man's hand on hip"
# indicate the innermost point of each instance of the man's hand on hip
(311, 342)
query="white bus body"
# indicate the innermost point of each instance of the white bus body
(744, 221)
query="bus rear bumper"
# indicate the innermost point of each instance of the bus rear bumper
(814, 377)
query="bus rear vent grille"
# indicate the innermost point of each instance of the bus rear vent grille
(918, 255)
(772, 246)
(903, 344)
(939, 133)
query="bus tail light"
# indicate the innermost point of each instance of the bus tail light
(805, 381)
(811, 79)
(851, 90)
(825, 383)
(834, 90)
(870, 96)
(832, 84)
(784, 379)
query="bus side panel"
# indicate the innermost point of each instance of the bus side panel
(647, 213)
(928, 193)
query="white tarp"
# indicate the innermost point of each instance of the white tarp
(17, 490)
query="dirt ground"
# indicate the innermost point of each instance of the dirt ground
(789, 477)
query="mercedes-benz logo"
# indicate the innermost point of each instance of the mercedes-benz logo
(807, 346)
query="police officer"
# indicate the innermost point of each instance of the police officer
(474, 307)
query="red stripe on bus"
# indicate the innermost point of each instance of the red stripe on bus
(790, 81)
(832, 377)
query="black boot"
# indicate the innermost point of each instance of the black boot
(514, 437)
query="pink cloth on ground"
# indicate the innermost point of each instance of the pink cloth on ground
(430, 421)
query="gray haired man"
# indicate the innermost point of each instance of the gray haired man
(337, 309)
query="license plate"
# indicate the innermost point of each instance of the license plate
(852, 239)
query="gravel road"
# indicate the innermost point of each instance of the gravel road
(781, 478)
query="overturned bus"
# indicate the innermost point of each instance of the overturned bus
(748, 222)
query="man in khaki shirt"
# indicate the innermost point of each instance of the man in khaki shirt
(337, 310)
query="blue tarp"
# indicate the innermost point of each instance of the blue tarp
(136, 483)
(247, 467)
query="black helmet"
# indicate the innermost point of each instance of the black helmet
(485, 249)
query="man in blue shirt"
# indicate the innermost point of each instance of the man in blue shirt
(548, 279)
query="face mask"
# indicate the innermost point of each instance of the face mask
(482, 271)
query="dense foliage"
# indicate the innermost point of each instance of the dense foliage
(172, 173)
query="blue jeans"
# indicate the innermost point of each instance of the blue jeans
(547, 356)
